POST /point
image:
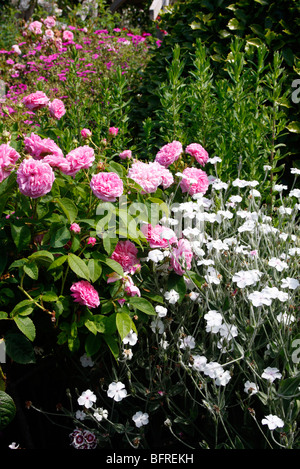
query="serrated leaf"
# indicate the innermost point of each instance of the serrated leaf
(25, 325)
(69, 208)
(58, 262)
(43, 257)
(142, 305)
(32, 270)
(95, 269)
(78, 266)
(21, 235)
(19, 348)
(124, 324)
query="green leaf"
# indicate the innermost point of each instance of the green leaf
(255, 41)
(7, 409)
(21, 235)
(3, 315)
(60, 237)
(114, 265)
(91, 326)
(143, 305)
(92, 344)
(177, 283)
(19, 348)
(25, 324)
(78, 266)
(23, 308)
(233, 24)
(294, 127)
(112, 344)
(69, 208)
(58, 262)
(124, 324)
(95, 269)
(289, 388)
(116, 168)
(42, 257)
(32, 270)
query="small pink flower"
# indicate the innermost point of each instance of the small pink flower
(169, 153)
(126, 154)
(80, 158)
(107, 186)
(57, 108)
(16, 49)
(91, 241)
(35, 101)
(130, 288)
(86, 133)
(49, 34)
(159, 236)
(181, 257)
(8, 158)
(75, 228)
(35, 178)
(68, 36)
(125, 254)
(194, 181)
(36, 27)
(85, 294)
(198, 152)
(50, 22)
(113, 131)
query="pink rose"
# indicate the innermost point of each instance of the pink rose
(35, 27)
(150, 176)
(181, 257)
(68, 36)
(49, 22)
(75, 228)
(198, 152)
(91, 241)
(86, 133)
(159, 236)
(107, 186)
(194, 181)
(169, 153)
(126, 154)
(8, 158)
(57, 161)
(35, 101)
(35, 178)
(39, 147)
(125, 254)
(49, 34)
(113, 130)
(85, 294)
(57, 108)
(80, 158)
(130, 288)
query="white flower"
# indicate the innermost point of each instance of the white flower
(214, 160)
(161, 311)
(259, 298)
(235, 199)
(291, 283)
(164, 344)
(213, 370)
(187, 342)
(295, 171)
(228, 331)
(213, 321)
(199, 362)
(267, 167)
(131, 338)
(278, 264)
(117, 391)
(271, 374)
(127, 354)
(155, 255)
(140, 419)
(285, 318)
(295, 193)
(172, 296)
(80, 415)
(285, 210)
(274, 293)
(272, 421)
(100, 414)
(157, 326)
(86, 361)
(245, 278)
(250, 388)
(280, 187)
(194, 296)
(218, 184)
(255, 193)
(212, 276)
(223, 378)
(87, 399)
(249, 225)
(13, 445)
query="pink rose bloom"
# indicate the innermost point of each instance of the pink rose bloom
(91, 241)
(113, 130)
(169, 153)
(75, 228)
(85, 294)
(86, 133)
(126, 154)
(57, 161)
(35, 27)
(198, 152)
(49, 22)
(8, 158)
(130, 288)
(125, 254)
(159, 236)
(35, 178)
(57, 108)
(80, 158)
(150, 175)
(107, 186)
(35, 101)
(39, 147)
(194, 181)
(49, 34)
(68, 36)
(181, 257)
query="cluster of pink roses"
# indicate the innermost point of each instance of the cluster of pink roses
(39, 100)
(150, 176)
(170, 153)
(8, 159)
